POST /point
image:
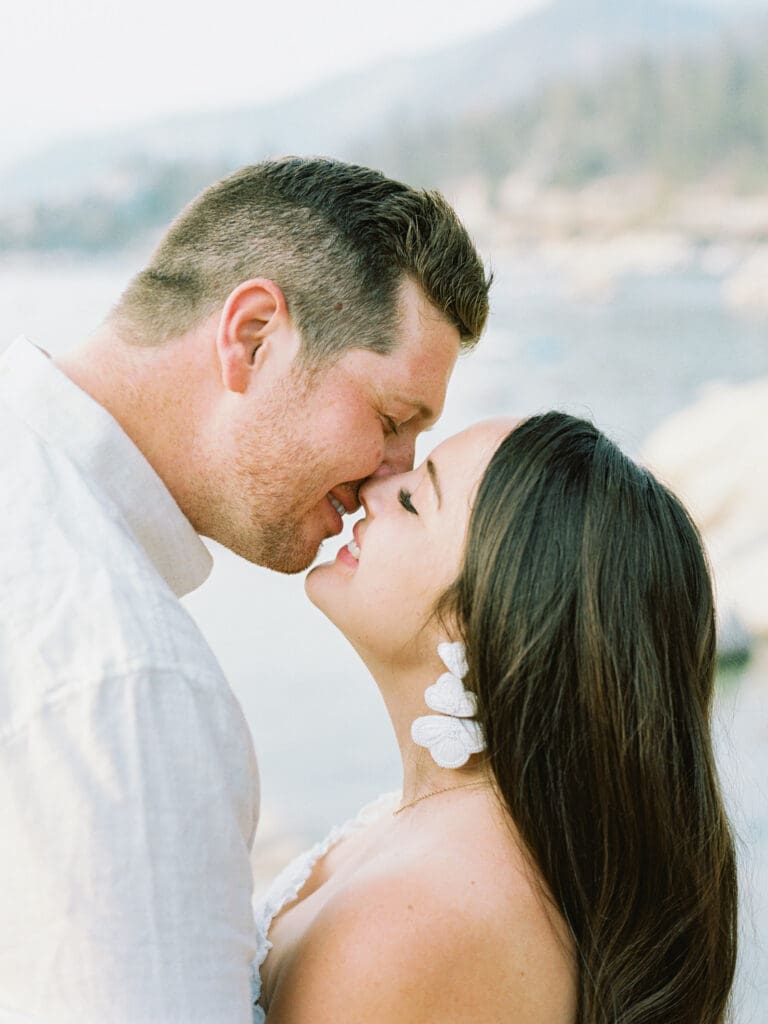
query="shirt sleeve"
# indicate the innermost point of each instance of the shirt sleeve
(128, 809)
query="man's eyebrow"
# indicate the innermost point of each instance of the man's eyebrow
(433, 477)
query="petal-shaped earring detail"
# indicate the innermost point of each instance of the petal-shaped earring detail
(448, 696)
(452, 736)
(450, 741)
(454, 657)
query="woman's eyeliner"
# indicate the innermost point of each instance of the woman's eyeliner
(404, 497)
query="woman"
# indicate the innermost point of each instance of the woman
(560, 852)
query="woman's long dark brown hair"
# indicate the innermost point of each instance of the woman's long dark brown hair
(586, 606)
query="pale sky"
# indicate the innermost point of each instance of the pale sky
(71, 67)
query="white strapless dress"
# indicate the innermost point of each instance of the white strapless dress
(289, 883)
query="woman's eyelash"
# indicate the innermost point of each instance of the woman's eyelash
(391, 424)
(404, 497)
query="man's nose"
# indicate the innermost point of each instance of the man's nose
(399, 452)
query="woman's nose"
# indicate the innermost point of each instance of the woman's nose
(377, 490)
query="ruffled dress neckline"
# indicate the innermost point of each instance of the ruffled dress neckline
(287, 885)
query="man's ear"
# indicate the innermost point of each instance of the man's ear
(254, 318)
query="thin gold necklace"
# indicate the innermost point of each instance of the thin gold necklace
(437, 792)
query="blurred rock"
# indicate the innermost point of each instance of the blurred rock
(747, 287)
(713, 455)
(734, 643)
(594, 267)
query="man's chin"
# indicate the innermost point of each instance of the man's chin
(288, 558)
(287, 565)
(289, 547)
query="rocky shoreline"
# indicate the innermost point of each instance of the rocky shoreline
(713, 455)
(620, 226)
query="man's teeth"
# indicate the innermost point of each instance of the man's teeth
(337, 505)
(353, 549)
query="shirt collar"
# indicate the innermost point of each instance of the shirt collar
(69, 419)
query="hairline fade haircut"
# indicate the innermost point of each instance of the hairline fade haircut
(338, 239)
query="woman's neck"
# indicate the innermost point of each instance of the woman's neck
(402, 688)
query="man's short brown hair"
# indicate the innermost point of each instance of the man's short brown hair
(338, 239)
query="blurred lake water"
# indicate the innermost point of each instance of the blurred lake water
(320, 729)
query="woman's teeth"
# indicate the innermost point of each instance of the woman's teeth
(353, 549)
(337, 505)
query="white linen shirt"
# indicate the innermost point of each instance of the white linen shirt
(128, 782)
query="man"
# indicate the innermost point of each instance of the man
(292, 334)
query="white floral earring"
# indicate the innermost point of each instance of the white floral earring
(452, 736)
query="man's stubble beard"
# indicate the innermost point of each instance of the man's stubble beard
(259, 509)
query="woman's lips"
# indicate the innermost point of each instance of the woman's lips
(349, 554)
(345, 556)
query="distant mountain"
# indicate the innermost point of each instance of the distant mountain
(677, 119)
(568, 38)
(665, 122)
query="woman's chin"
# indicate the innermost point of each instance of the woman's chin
(312, 584)
(319, 587)
(330, 588)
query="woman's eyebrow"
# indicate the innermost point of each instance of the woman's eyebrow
(433, 477)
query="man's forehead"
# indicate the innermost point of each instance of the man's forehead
(421, 367)
(420, 388)
(414, 375)
(419, 384)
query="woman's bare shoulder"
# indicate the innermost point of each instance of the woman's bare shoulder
(452, 935)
